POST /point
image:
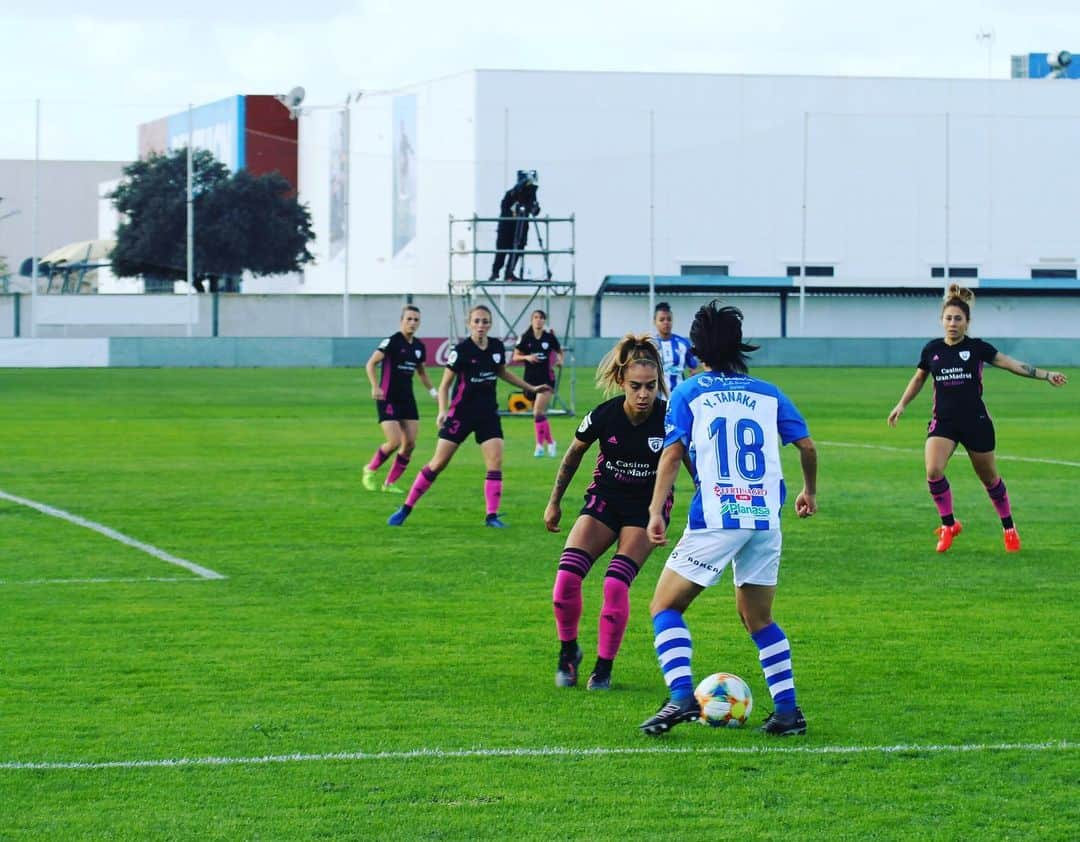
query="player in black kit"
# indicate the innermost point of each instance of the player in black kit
(630, 432)
(400, 356)
(540, 351)
(473, 367)
(959, 415)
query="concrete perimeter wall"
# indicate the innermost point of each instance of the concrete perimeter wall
(254, 352)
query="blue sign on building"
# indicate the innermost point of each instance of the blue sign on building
(1041, 65)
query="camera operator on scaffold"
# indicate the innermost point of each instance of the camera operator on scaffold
(518, 204)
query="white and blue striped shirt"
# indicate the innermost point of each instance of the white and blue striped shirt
(733, 426)
(677, 357)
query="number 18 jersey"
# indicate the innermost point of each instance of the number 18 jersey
(733, 426)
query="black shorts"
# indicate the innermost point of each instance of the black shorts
(485, 425)
(398, 410)
(615, 513)
(538, 378)
(976, 434)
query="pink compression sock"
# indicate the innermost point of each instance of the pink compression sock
(420, 485)
(493, 491)
(397, 469)
(942, 494)
(377, 458)
(616, 611)
(538, 424)
(1000, 498)
(574, 565)
(546, 431)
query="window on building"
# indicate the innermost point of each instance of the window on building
(812, 271)
(1053, 273)
(955, 272)
(704, 269)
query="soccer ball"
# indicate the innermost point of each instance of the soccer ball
(725, 700)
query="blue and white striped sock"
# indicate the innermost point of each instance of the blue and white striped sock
(774, 652)
(674, 649)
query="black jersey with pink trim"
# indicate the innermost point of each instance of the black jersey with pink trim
(477, 372)
(400, 359)
(957, 372)
(626, 465)
(547, 350)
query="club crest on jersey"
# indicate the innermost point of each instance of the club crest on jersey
(585, 422)
(451, 358)
(544, 345)
(497, 358)
(655, 443)
(965, 355)
(417, 352)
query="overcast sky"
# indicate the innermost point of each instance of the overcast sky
(101, 68)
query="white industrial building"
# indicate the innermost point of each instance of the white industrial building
(867, 182)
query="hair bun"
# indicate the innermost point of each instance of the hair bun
(959, 293)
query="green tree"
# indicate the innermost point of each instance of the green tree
(242, 222)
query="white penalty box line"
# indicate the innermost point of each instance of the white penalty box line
(553, 751)
(149, 549)
(1001, 457)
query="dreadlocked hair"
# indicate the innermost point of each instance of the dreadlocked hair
(632, 349)
(958, 296)
(716, 336)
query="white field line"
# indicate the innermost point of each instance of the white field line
(1000, 457)
(553, 751)
(150, 549)
(122, 580)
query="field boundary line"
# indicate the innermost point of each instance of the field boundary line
(122, 580)
(551, 751)
(999, 456)
(108, 532)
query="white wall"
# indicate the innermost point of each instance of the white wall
(727, 171)
(445, 151)
(378, 315)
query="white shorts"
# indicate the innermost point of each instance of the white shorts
(702, 554)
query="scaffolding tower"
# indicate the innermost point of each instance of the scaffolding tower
(543, 274)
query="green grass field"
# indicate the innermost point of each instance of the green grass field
(349, 680)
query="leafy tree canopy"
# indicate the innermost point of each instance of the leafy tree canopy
(242, 222)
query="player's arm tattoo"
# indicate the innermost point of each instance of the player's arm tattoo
(1029, 370)
(567, 468)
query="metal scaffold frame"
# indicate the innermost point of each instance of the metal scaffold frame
(510, 314)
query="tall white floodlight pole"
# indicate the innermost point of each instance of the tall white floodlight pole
(652, 215)
(346, 116)
(34, 221)
(190, 224)
(947, 202)
(802, 248)
(986, 36)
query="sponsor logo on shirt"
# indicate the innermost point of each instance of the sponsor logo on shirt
(739, 493)
(451, 358)
(669, 429)
(585, 422)
(737, 509)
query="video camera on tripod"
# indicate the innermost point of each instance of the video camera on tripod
(518, 205)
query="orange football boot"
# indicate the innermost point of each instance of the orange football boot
(946, 534)
(1012, 540)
